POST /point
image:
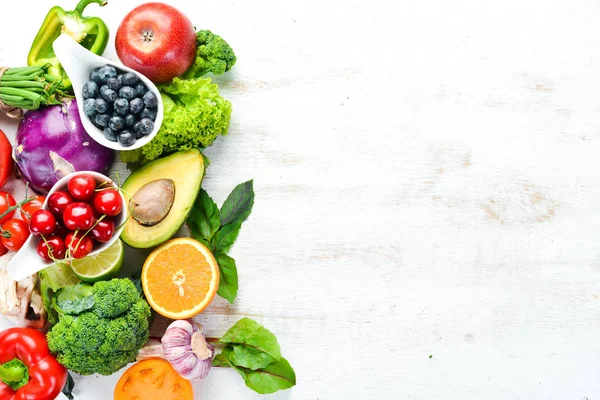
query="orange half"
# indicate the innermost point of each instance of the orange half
(180, 278)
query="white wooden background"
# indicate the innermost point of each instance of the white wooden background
(426, 177)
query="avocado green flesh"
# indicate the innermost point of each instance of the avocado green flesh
(186, 169)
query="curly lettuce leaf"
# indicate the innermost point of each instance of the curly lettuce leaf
(195, 114)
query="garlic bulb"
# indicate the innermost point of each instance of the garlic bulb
(185, 347)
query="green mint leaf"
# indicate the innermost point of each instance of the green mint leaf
(252, 334)
(249, 357)
(204, 219)
(225, 237)
(221, 361)
(228, 282)
(238, 205)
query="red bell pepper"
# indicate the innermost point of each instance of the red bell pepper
(28, 371)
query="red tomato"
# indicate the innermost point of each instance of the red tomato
(104, 230)
(53, 248)
(108, 202)
(82, 187)
(157, 40)
(14, 233)
(58, 201)
(79, 215)
(79, 246)
(6, 201)
(6, 160)
(31, 207)
(42, 222)
(3, 250)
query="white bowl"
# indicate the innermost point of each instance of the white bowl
(78, 62)
(27, 262)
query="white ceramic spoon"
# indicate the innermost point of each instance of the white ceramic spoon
(27, 261)
(78, 62)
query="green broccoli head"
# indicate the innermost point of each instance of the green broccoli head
(213, 54)
(108, 336)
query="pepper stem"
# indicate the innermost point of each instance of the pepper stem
(14, 373)
(84, 3)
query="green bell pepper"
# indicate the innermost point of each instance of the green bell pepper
(91, 33)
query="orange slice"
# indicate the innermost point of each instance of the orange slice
(180, 278)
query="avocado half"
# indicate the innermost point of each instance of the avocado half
(186, 170)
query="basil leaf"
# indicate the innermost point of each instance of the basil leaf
(225, 237)
(238, 205)
(250, 333)
(249, 357)
(228, 282)
(278, 375)
(204, 219)
(201, 240)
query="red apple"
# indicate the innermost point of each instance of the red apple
(156, 40)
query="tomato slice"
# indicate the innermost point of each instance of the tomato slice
(6, 161)
(153, 379)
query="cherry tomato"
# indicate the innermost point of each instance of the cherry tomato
(104, 230)
(6, 160)
(53, 248)
(6, 201)
(79, 246)
(82, 187)
(3, 250)
(42, 222)
(79, 215)
(108, 202)
(58, 201)
(14, 233)
(31, 206)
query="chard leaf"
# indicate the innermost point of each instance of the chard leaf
(238, 205)
(225, 237)
(204, 219)
(249, 357)
(221, 361)
(252, 334)
(228, 282)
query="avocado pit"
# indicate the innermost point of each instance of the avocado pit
(152, 202)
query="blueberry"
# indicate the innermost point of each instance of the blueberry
(136, 106)
(102, 119)
(140, 89)
(109, 95)
(130, 120)
(116, 123)
(126, 138)
(109, 134)
(95, 75)
(100, 105)
(88, 107)
(121, 106)
(127, 92)
(149, 112)
(90, 90)
(136, 129)
(146, 126)
(114, 83)
(106, 73)
(130, 79)
(150, 99)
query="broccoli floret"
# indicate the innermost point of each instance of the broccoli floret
(114, 297)
(213, 54)
(106, 337)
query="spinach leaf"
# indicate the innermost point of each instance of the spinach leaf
(238, 205)
(228, 283)
(250, 333)
(204, 219)
(74, 299)
(249, 357)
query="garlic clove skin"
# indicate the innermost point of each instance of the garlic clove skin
(185, 347)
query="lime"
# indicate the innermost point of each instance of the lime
(104, 265)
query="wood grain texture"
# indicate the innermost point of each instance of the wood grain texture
(426, 188)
